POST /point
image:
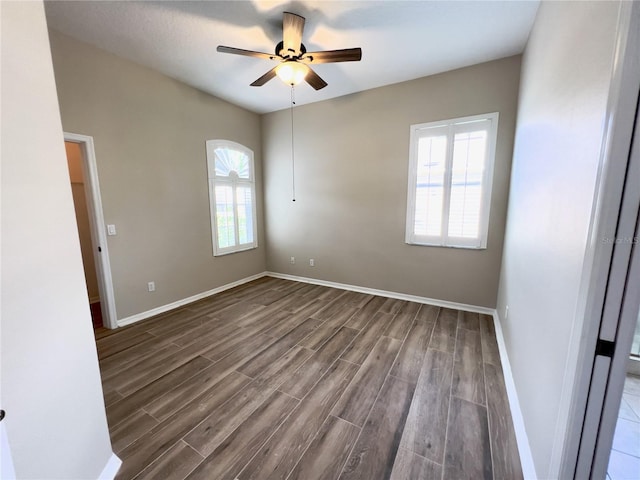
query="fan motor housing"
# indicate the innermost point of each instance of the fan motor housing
(282, 53)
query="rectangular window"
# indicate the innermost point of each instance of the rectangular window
(232, 197)
(450, 174)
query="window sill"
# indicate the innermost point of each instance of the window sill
(237, 250)
(464, 247)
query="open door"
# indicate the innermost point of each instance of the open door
(617, 326)
(97, 227)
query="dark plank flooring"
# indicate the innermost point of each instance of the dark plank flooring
(284, 380)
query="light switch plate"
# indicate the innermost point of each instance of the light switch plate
(111, 229)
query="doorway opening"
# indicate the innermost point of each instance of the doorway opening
(83, 176)
(74, 162)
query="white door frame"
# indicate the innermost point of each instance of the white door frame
(98, 228)
(594, 396)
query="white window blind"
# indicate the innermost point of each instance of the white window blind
(232, 196)
(450, 174)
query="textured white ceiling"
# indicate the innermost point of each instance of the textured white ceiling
(400, 40)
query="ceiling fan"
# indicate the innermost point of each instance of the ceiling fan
(293, 56)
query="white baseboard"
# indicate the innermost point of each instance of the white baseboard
(111, 468)
(385, 293)
(526, 459)
(179, 303)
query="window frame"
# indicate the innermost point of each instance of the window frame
(232, 181)
(452, 126)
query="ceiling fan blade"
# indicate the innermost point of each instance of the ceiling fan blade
(247, 53)
(315, 80)
(292, 26)
(332, 56)
(265, 78)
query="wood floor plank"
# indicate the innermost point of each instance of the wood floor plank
(198, 328)
(400, 325)
(131, 429)
(265, 358)
(355, 404)
(259, 314)
(409, 362)
(267, 321)
(295, 302)
(288, 286)
(164, 406)
(426, 428)
(504, 447)
(294, 319)
(130, 357)
(210, 433)
(468, 372)
(282, 369)
(215, 305)
(374, 453)
(410, 307)
(107, 346)
(310, 372)
(154, 443)
(221, 347)
(469, 320)
(392, 306)
(280, 454)
(444, 334)
(220, 423)
(120, 410)
(178, 323)
(329, 328)
(265, 298)
(490, 352)
(327, 293)
(358, 351)
(366, 313)
(410, 466)
(175, 464)
(234, 312)
(141, 378)
(428, 313)
(111, 397)
(468, 451)
(336, 310)
(356, 298)
(328, 451)
(230, 456)
(136, 372)
(307, 289)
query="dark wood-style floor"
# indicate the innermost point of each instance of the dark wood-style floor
(280, 379)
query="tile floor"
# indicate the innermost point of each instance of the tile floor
(624, 462)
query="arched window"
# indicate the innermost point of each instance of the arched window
(232, 196)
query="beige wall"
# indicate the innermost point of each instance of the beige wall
(49, 378)
(351, 167)
(74, 162)
(566, 80)
(150, 133)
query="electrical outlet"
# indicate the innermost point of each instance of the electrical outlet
(312, 262)
(151, 286)
(293, 260)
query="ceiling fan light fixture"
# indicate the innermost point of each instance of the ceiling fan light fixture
(292, 72)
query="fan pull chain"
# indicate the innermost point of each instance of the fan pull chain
(293, 161)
